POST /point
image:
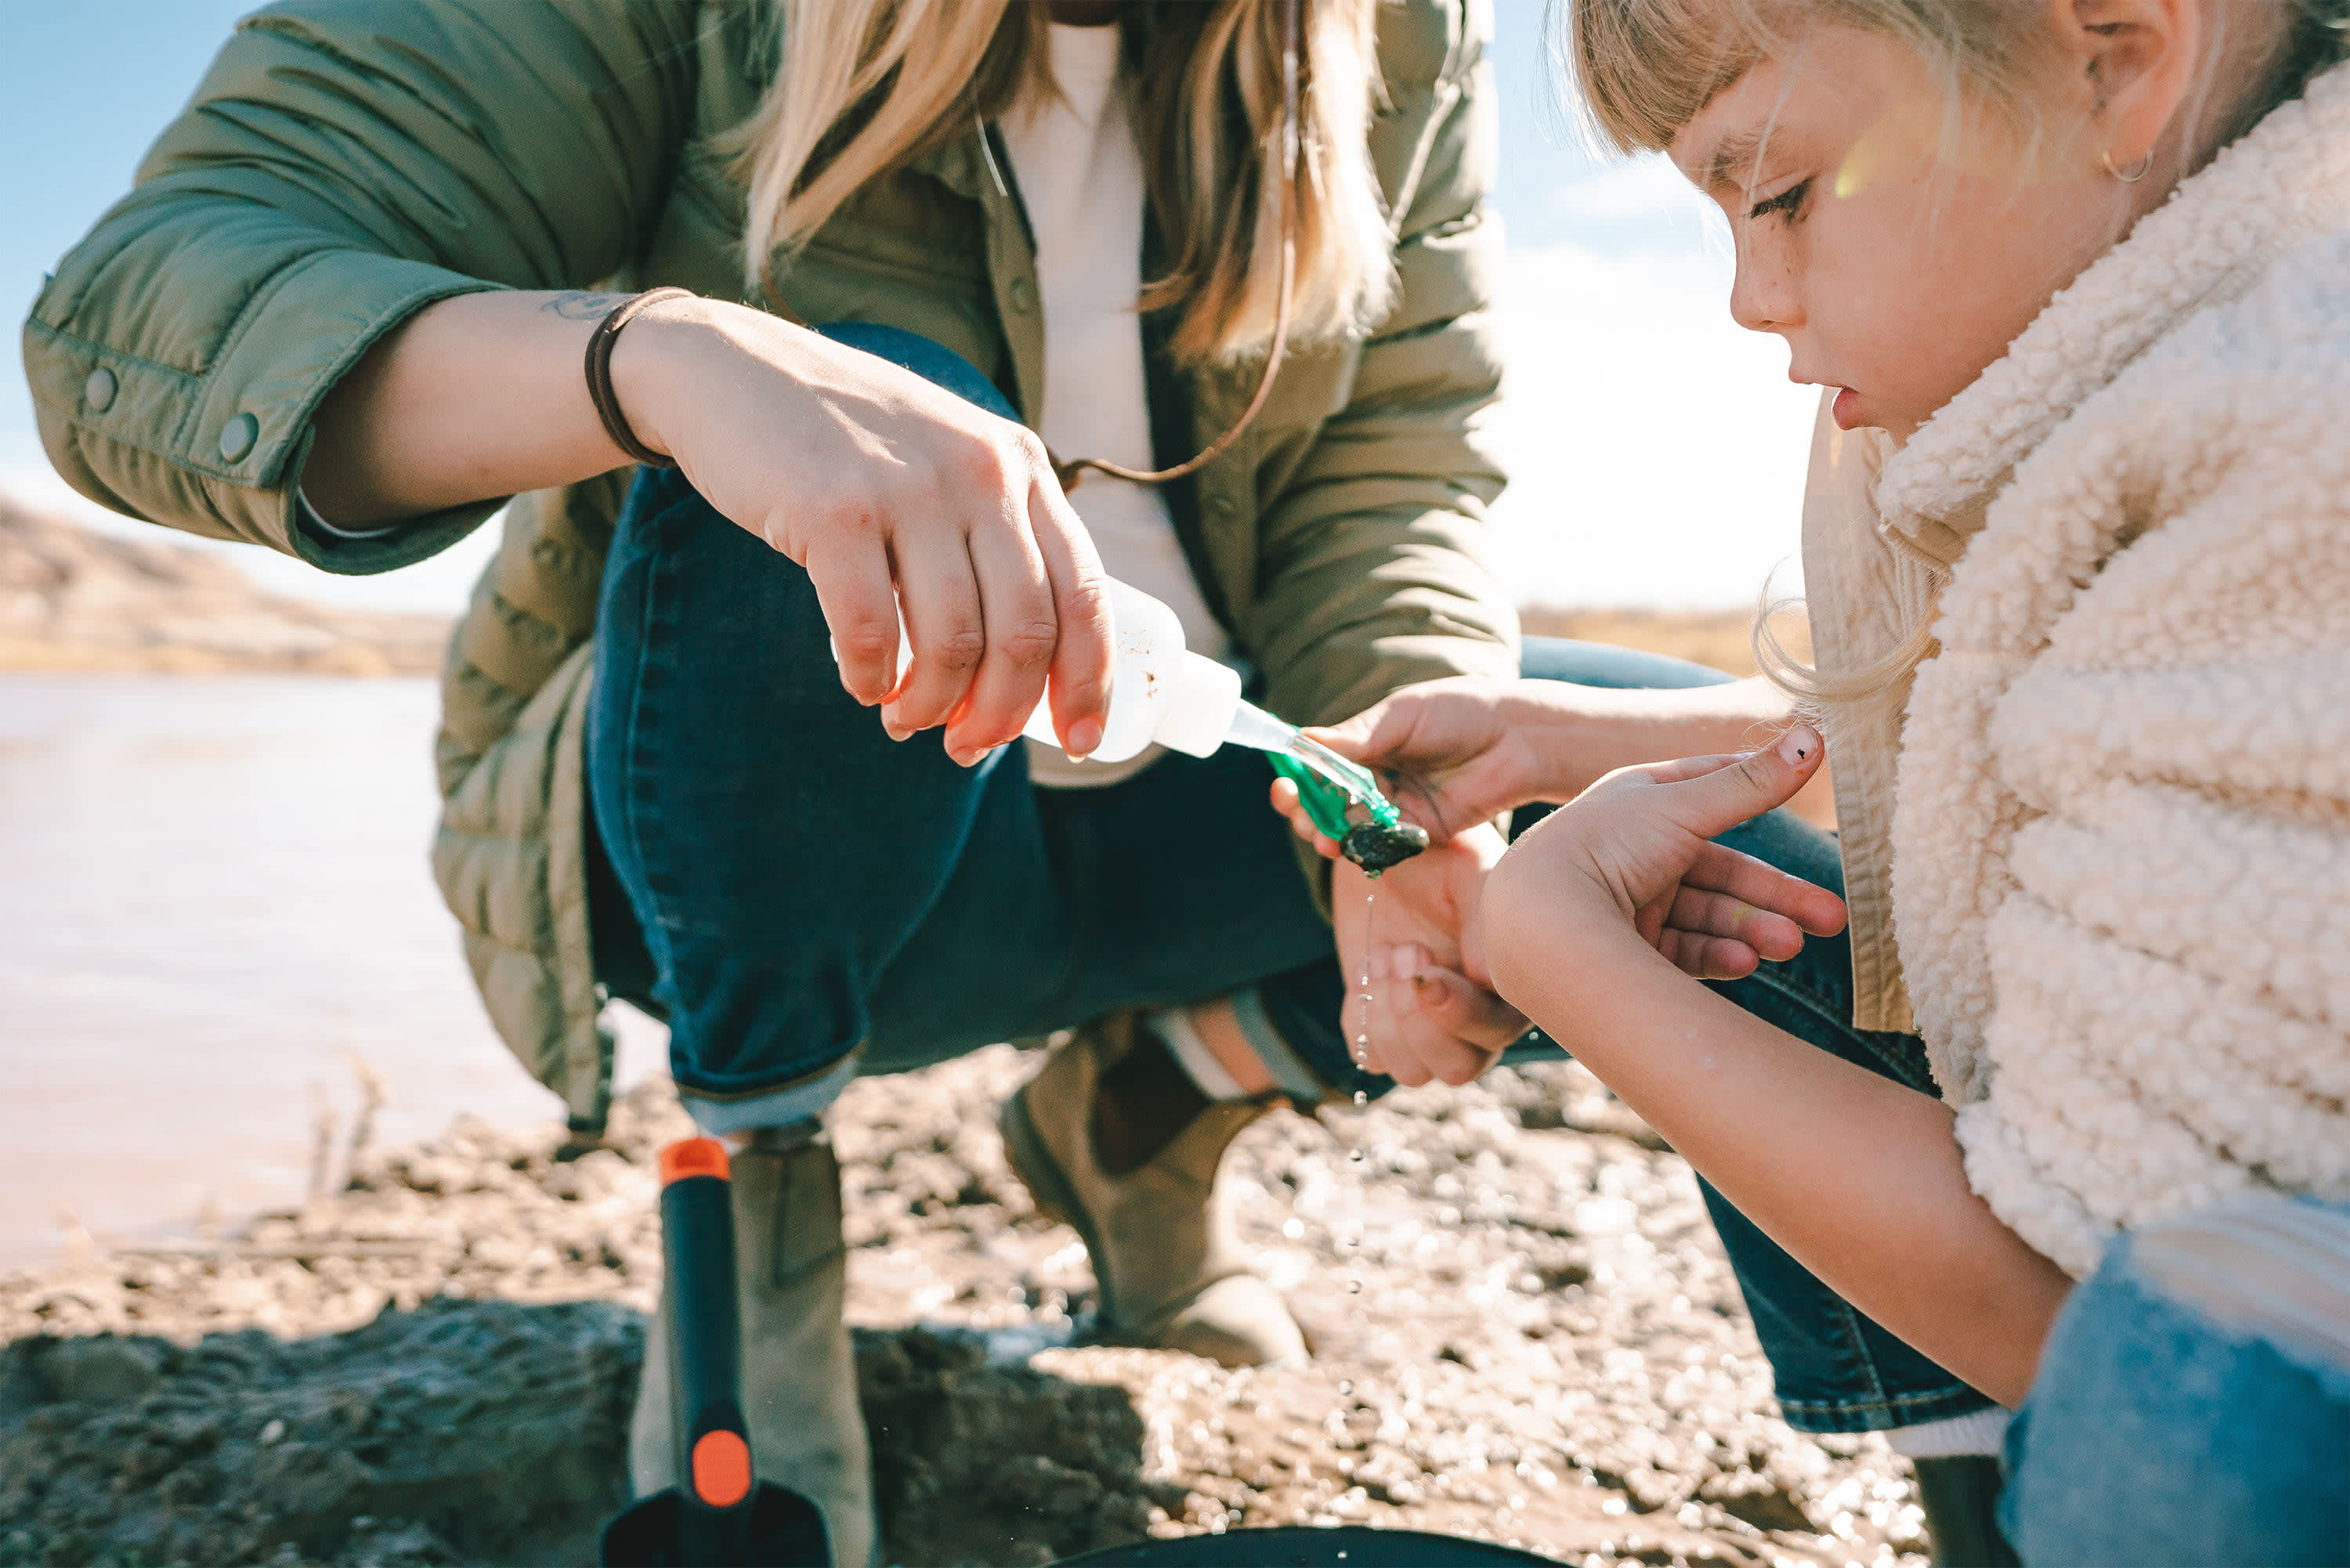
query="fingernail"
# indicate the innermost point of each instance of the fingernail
(1376, 965)
(1798, 745)
(1084, 736)
(1414, 961)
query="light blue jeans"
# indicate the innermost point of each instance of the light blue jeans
(2193, 1403)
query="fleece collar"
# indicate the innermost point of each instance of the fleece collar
(2285, 183)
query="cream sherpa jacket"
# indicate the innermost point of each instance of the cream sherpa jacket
(2120, 831)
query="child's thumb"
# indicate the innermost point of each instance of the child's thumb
(1745, 788)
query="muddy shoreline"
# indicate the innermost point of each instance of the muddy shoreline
(1523, 1329)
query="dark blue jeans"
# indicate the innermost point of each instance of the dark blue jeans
(816, 900)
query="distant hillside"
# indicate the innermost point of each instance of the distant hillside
(71, 599)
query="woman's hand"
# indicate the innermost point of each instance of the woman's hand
(889, 491)
(1413, 931)
(1635, 850)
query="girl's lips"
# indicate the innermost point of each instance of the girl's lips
(1845, 411)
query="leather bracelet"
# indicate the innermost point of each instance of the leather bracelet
(600, 374)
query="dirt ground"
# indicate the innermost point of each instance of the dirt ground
(1523, 1329)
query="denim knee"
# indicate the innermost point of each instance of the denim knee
(2179, 1418)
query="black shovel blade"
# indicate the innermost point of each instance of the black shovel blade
(782, 1530)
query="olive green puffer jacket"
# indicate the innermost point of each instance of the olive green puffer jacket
(346, 162)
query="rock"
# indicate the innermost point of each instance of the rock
(102, 1369)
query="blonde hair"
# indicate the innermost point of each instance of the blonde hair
(865, 87)
(1645, 68)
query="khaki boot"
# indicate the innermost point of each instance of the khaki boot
(799, 1377)
(1170, 1271)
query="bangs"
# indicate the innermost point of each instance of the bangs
(1643, 69)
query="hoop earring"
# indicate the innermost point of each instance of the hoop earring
(2144, 165)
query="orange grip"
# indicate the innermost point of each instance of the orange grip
(722, 1470)
(693, 1157)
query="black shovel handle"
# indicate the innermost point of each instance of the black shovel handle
(705, 1350)
(719, 1515)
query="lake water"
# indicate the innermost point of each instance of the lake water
(215, 894)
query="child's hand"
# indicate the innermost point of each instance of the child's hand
(1450, 753)
(1635, 847)
(1413, 932)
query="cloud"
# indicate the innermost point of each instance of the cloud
(1656, 450)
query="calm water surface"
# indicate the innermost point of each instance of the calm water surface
(213, 894)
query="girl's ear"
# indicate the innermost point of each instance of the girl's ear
(2133, 62)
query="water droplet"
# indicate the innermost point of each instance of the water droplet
(1346, 1387)
(1355, 1155)
(1353, 1286)
(1361, 1098)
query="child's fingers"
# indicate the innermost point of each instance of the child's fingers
(1718, 798)
(1698, 911)
(1449, 1026)
(1473, 1022)
(1765, 886)
(1707, 958)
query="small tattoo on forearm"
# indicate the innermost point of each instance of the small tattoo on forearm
(581, 304)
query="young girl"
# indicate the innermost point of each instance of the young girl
(2079, 273)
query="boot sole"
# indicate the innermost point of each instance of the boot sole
(1024, 1149)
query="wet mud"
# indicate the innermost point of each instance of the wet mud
(1377, 847)
(1523, 1329)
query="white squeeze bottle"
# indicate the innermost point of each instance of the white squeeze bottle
(1159, 691)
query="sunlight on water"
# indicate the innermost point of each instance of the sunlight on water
(213, 892)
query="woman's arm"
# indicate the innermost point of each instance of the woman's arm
(1858, 1178)
(318, 190)
(306, 295)
(887, 489)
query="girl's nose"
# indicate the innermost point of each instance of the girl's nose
(1764, 299)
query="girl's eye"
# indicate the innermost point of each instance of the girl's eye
(1789, 201)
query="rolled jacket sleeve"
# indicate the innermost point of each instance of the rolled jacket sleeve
(343, 164)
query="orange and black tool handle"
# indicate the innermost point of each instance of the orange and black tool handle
(719, 1515)
(705, 1349)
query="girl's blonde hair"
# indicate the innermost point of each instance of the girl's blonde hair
(866, 86)
(1644, 69)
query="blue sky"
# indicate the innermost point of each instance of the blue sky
(1657, 452)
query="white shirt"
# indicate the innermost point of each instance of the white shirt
(1080, 179)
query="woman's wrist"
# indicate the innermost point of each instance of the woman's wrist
(654, 357)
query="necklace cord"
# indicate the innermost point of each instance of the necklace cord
(1070, 471)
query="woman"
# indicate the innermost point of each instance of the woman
(338, 316)
(2074, 272)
